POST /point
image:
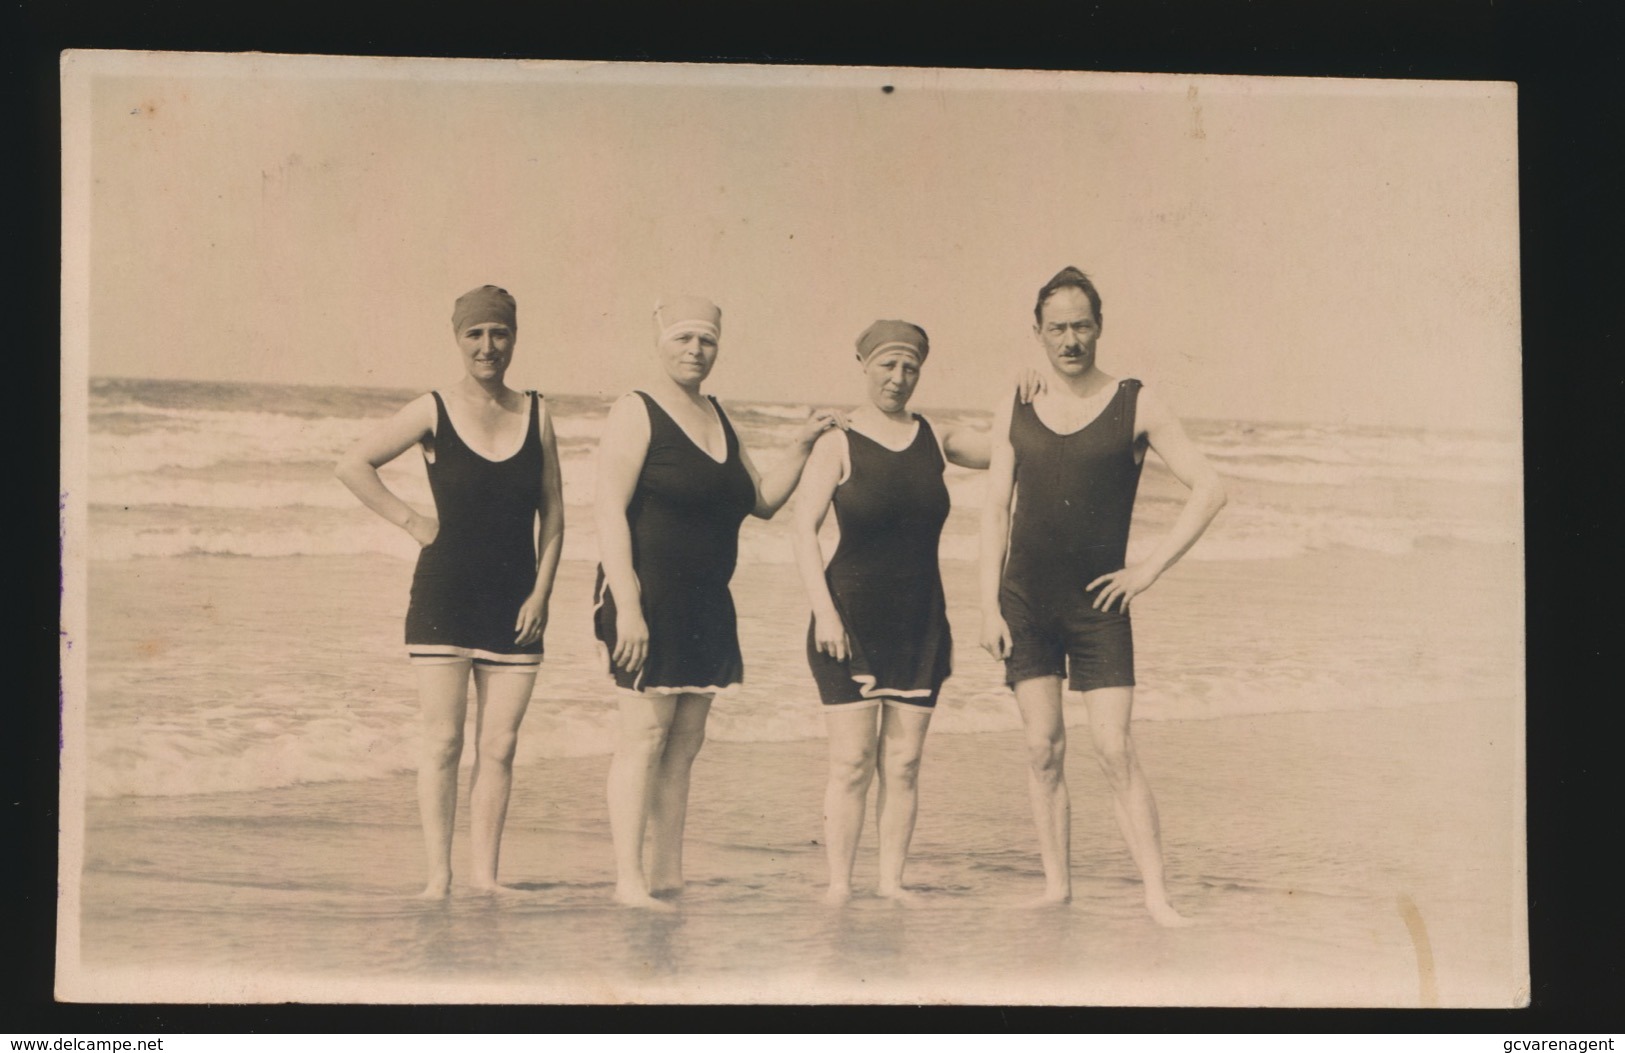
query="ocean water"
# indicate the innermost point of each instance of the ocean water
(246, 610)
(1330, 703)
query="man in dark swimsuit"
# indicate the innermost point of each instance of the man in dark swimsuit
(1055, 584)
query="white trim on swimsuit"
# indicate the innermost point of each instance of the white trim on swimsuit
(437, 654)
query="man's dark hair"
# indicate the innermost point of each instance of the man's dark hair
(1068, 278)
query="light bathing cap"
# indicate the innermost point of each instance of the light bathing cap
(687, 314)
(890, 335)
(485, 304)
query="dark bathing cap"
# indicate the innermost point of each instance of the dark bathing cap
(890, 335)
(485, 304)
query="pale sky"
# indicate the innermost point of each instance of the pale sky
(1267, 249)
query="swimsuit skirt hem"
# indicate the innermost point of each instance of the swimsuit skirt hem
(480, 653)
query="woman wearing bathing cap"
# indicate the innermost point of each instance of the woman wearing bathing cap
(484, 573)
(674, 485)
(879, 644)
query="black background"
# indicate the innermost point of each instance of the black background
(1566, 58)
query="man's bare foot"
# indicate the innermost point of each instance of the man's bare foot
(1166, 916)
(496, 888)
(636, 897)
(838, 894)
(901, 896)
(439, 887)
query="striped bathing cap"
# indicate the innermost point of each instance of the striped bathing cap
(890, 335)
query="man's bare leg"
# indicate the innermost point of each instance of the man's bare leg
(1039, 700)
(1110, 709)
(668, 792)
(902, 741)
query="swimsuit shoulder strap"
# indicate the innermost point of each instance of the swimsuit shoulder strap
(658, 417)
(440, 413)
(930, 434)
(1015, 413)
(536, 411)
(445, 429)
(732, 440)
(1128, 390)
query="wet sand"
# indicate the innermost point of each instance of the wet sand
(1303, 844)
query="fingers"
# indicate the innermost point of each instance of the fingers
(630, 653)
(1112, 594)
(824, 419)
(1029, 385)
(835, 647)
(1114, 588)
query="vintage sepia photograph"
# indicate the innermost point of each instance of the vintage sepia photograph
(637, 533)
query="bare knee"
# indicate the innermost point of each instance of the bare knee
(643, 742)
(1115, 754)
(442, 747)
(900, 769)
(1046, 759)
(683, 745)
(852, 771)
(498, 747)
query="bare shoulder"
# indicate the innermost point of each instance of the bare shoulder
(830, 444)
(1003, 409)
(420, 413)
(828, 459)
(1166, 433)
(544, 416)
(1150, 410)
(628, 411)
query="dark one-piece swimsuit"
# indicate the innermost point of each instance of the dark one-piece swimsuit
(473, 577)
(1074, 501)
(684, 516)
(885, 578)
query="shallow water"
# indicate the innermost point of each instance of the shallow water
(1288, 837)
(211, 673)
